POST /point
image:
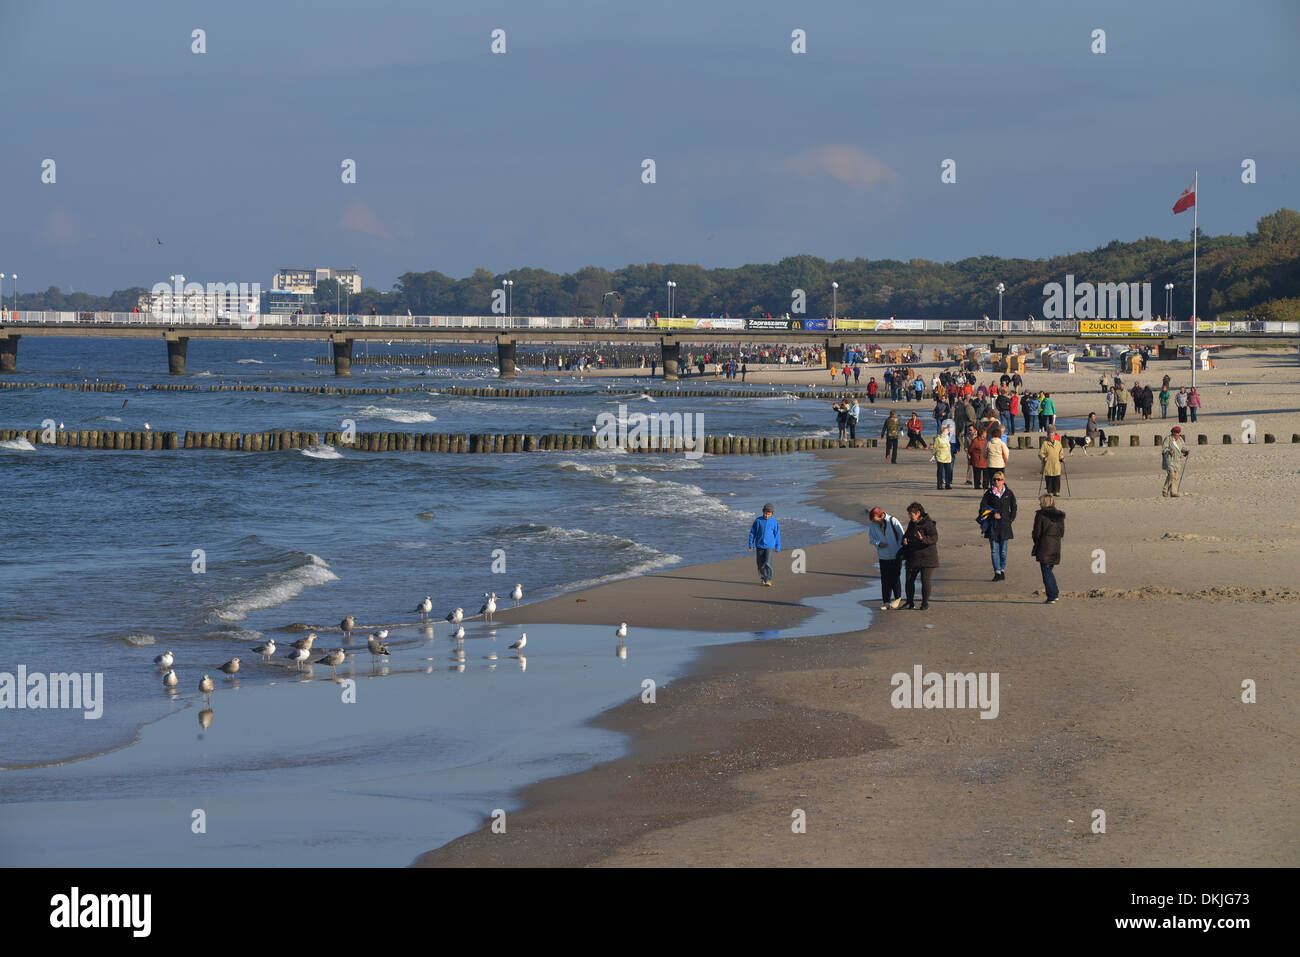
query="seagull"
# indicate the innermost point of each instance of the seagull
(298, 656)
(164, 660)
(230, 667)
(622, 630)
(489, 606)
(518, 593)
(519, 645)
(305, 643)
(456, 616)
(333, 659)
(170, 679)
(425, 606)
(348, 623)
(206, 685)
(382, 634)
(460, 633)
(377, 647)
(266, 650)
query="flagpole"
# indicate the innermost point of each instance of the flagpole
(1196, 211)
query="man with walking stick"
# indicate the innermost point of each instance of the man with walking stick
(1173, 458)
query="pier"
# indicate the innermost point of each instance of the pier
(833, 335)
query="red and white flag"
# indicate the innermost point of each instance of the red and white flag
(1187, 200)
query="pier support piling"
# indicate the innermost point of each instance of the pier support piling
(342, 356)
(671, 353)
(176, 346)
(834, 353)
(9, 354)
(506, 358)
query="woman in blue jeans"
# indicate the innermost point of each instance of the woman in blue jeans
(997, 512)
(1049, 530)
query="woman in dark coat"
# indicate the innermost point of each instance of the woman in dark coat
(997, 512)
(920, 552)
(1049, 530)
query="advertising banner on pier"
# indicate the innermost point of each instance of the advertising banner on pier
(881, 325)
(701, 323)
(1122, 327)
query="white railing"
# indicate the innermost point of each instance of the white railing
(488, 324)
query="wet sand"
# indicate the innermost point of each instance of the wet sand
(1124, 697)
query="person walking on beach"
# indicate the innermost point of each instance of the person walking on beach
(855, 411)
(1110, 404)
(942, 446)
(1121, 403)
(1030, 406)
(1047, 413)
(889, 432)
(841, 410)
(1180, 400)
(764, 540)
(1052, 455)
(1092, 433)
(1173, 455)
(1164, 399)
(977, 456)
(872, 389)
(996, 453)
(997, 512)
(857, 371)
(920, 553)
(1049, 531)
(886, 534)
(1193, 402)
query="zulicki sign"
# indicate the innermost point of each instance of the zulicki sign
(1107, 328)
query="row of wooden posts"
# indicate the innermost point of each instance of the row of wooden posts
(276, 441)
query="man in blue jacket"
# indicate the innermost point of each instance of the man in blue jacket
(765, 536)
(886, 534)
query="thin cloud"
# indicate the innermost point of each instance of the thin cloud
(850, 165)
(359, 218)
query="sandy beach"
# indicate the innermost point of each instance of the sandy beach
(1125, 697)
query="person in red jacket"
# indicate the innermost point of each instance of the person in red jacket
(872, 389)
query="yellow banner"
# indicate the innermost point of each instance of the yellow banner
(1205, 325)
(1121, 327)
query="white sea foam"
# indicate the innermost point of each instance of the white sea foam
(395, 414)
(106, 418)
(321, 452)
(278, 588)
(19, 444)
(245, 362)
(139, 639)
(657, 561)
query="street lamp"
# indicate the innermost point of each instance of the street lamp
(2, 294)
(509, 284)
(671, 287)
(15, 278)
(1169, 300)
(1001, 290)
(835, 292)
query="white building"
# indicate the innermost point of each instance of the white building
(305, 279)
(215, 302)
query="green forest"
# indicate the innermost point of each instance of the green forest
(1257, 275)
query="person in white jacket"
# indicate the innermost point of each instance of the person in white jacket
(886, 533)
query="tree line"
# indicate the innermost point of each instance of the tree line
(1255, 275)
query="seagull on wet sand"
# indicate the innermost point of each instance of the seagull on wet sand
(518, 593)
(382, 634)
(298, 656)
(164, 660)
(170, 679)
(490, 606)
(230, 667)
(519, 645)
(333, 659)
(456, 616)
(266, 650)
(305, 642)
(348, 623)
(377, 647)
(425, 606)
(206, 686)
(622, 630)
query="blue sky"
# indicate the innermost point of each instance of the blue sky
(533, 157)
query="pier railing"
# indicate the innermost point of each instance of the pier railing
(498, 324)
